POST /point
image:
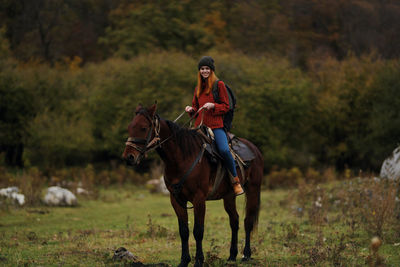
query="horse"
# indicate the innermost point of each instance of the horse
(181, 151)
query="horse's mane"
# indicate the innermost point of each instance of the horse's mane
(186, 139)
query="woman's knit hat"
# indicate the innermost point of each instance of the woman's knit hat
(207, 61)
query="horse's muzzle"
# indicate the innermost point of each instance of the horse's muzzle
(132, 160)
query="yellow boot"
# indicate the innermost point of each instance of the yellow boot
(237, 188)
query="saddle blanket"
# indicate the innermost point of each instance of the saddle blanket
(242, 150)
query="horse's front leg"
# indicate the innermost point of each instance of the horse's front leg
(199, 206)
(182, 215)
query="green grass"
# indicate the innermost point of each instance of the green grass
(146, 225)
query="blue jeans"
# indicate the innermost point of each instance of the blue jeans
(222, 144)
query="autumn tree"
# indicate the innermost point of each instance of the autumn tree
(145, 26)
(52, 30)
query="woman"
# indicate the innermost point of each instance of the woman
(214, 113)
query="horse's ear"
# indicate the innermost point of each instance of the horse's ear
(139, 107)
(152, 109)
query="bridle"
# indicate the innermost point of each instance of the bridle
(143, 146)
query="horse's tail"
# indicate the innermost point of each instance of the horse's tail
(252, 207)
(253, 190)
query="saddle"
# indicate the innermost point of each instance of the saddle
(241, 153)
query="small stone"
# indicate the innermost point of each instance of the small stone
(123, 254)
(376, 242)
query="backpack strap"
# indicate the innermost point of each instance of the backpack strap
(215, 92)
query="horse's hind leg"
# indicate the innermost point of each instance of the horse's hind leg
(230, 208)
(182, 215)
(199, 206)
(252, 211)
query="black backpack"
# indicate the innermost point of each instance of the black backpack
(228, 117)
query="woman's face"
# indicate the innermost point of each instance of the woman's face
(205, 72)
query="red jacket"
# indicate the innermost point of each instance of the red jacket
(213, 118)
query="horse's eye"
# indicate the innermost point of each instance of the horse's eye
(144, 129)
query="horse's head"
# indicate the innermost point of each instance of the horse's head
(143, 134)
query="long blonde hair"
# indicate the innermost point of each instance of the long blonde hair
(209, 83)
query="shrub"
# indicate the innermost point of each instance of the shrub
(6, 179)
(31, 183)
(379, 200)
(283, 178)
(295, 177)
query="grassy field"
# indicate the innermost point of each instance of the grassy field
(309, 226)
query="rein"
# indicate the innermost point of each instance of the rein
(177, 188)
(193, 117)
(150, 145)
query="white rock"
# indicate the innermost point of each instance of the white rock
(391, 166)
(5, 192)
(57, 196)
(163, 187)
(81, 191)
(158, 185)
(20, 198)
(12, 193)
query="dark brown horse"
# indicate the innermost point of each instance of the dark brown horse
(181, 150)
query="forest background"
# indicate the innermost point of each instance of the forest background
(318, 82)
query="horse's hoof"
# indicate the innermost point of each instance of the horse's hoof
(198, 264)
(244, 259)
(231, 258)
(184, 263)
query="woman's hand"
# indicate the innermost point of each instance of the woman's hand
(209, 105)
(189, 109)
